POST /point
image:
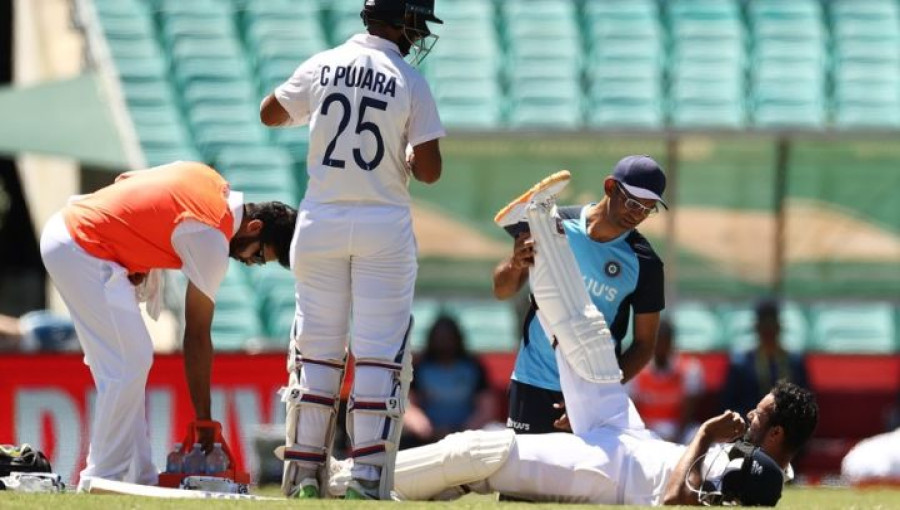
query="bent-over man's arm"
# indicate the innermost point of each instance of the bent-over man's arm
(198, 313)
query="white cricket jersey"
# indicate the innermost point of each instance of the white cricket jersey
(364, 104)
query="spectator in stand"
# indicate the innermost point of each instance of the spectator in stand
(667, 390)
(752, 373)
(450, 390)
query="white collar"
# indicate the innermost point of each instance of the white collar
(378, 43)
(236, 204)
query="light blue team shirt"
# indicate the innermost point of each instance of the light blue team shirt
(619, 275)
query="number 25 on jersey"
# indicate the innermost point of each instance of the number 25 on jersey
(361, 125)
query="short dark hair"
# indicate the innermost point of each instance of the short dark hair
(767, 309)
(278, 226)
(796, 411)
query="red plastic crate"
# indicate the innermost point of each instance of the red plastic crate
(174, 479)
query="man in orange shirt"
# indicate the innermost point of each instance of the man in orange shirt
(666, 391)
(99, 251)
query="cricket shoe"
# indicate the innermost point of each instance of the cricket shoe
(308, 488)
(362, 489)
(547, 189)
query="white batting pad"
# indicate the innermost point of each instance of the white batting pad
(461, 458)
(564, 307)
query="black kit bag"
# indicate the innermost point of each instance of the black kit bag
(22, 458)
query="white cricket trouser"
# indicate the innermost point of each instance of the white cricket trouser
(610, 459)
(359, 259)
(117, 348)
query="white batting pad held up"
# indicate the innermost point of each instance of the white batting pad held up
(564, 307)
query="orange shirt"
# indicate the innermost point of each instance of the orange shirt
(131, 221)
(658, 395)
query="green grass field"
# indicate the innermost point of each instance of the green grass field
(794, 499)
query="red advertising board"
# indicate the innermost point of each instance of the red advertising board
(46, 400)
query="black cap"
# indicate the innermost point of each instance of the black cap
(752, 478)
(642, 177)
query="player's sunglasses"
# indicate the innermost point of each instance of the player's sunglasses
(633, 205)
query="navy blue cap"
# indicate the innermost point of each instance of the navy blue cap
(642, 177)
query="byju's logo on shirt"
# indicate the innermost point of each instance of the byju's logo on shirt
(612, 269)
(600, 290)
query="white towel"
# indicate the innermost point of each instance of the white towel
(150, 291)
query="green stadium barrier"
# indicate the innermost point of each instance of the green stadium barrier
(854, 328)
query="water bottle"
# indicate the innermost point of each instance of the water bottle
(195, 461)
(174, 460)
(216, 460)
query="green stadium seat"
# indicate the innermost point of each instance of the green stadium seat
(260, 158)
(194, 8)
(697, 328)
(155, 116)
(215, 72)
(274, 72)
(469, 104)
(739, 327)
(236, 318)
(135, 48)
(128, 28)
(148, 93)
(789, 100)
(781, 10)
(156, 156)
(214, 137)
(163, 136)
(622, 9)
(854, 328)
(210, 48)
(344, 19)
(218, 92)
(121, 9)
(204, 114)
(546, 104)
(178, 29)
(142, 69)
(633, 104)
(280, 9)
(275, 285)
(703, 10)
(864, 9)
(487, 326)
(866, 64)
(867, 115)
(296, 142)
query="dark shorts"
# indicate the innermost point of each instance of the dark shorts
(531, 409)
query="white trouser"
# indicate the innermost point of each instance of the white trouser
(360, 258)
(615, 461)
(117, 348)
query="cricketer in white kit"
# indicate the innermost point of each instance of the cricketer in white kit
(353, 248)
(611, 458)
